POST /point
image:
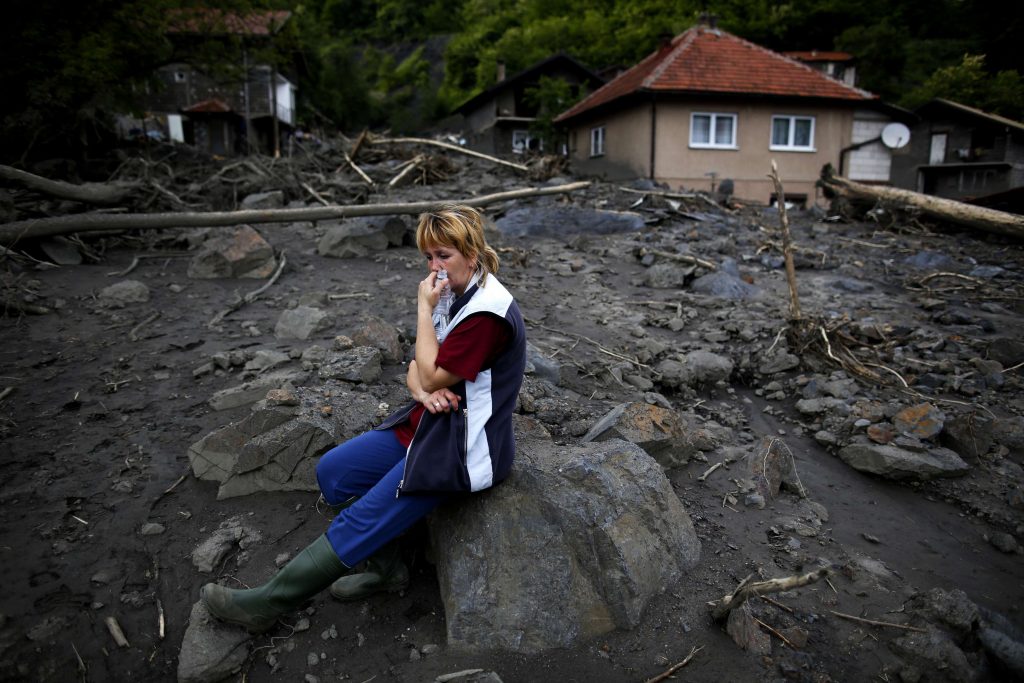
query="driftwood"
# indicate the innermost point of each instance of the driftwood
(36, 228)
(787, 243)
(989, 220)
(720, 608)
(103, 194)
(684, 258)
(450, 147)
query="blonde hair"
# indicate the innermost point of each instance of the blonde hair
(459, 227)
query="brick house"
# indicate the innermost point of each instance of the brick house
(708, 105)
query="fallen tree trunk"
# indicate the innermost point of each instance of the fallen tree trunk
(102, 194)
(989, 220)
(452, 148)
(91, 222)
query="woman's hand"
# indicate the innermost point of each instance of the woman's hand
(430, 290)
(440, 401)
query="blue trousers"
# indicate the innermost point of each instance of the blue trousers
(370, 466)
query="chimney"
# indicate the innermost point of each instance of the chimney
(501, 72)
(665, 39)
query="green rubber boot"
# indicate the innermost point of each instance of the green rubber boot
(385, 572)
(257, 609)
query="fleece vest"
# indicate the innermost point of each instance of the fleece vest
(472, 448)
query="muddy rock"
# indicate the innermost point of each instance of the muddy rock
(1009, 432)
(540, 365)
(662, 433)
(668, 275)
(770, 466)
(266, 359)
(892, 462)
(1006, 351)
(302, 322)
(232, 533)
(360, 364)
(125, 292)
(704, 367)
(779, 361)
(382, 335)
(935, 654)
(210, 651)
(970, 435)
(922, 421)
(607, 534)
(746, 632)
(276, 448)
(951, 608)
(358, 237)
(254, 390)
(559, 220)
(263, 200)
(725, 283)
(241, 253)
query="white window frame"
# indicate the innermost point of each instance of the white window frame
(790, 146)
(521, 141)
(712, 125)
(597, 137)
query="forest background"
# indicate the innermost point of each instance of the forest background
(405, 65)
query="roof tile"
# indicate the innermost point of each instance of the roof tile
(706, 60)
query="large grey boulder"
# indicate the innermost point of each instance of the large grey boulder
(380, 334)
(574, 544)
(725, 283)
(704, 367)
(123, 293)
(302, 322)
(276, 447)
(240, 253)
(358, 237)
(557, 221)
(662, 433)
(361, 364)
(210, 651)
(893, 462)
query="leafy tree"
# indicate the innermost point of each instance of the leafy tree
(550, 97)
(968, 83)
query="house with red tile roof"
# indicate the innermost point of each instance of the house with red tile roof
(708, 106)
(838, 65)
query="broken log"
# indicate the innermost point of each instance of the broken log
(102, 194)
(36, 228)
(787, 243)
(450, 147)
(989, 220)
(720, 608)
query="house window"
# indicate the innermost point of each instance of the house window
(713, 130)
(597, 141)
(523, 141)
(793, 133)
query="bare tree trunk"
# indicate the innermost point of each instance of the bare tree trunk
(90, 222)
(103, 194)
(452, 148)
(989, 220)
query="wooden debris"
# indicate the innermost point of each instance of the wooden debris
(708, 471)
(160, 622)
(133, 335)
(362, 174)
(35, 228)
(872, 622)
(104, 194)
(450, 147)
(787, 243)
(115, 631)
(989, 220)
(721, 608)
(685, 258)
(251, 296)
(675, 667)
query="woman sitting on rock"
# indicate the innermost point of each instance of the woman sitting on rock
(455, 436)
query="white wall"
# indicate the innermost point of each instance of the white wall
(872, 162)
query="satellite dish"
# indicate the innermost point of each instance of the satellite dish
(895, 135)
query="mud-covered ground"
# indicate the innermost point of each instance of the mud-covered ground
(95, 431)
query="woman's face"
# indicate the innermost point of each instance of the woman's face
(460, 269)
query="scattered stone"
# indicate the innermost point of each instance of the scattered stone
(893, 462)
(881, 433)
(704, 368)
(558, 221)
(152, 529)
(302, 322)
(934, 651)
(211, 650)
(241, 253)
(1004, 542)
(361, 364)
(47, 629)
(951, 608)
(540, 365)
(120, 294)
(61, 250)
(725, 283)
(263, 200)
(208, 555)
(970, 435)
(746, 632)
(254, 390)
(662, 433)
(358, 237)
(266, 359)
(779, 361)
(276, 448)
(670, 275)
(382, 335)
(923, 421)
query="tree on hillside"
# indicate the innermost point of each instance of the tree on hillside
(968, 83)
